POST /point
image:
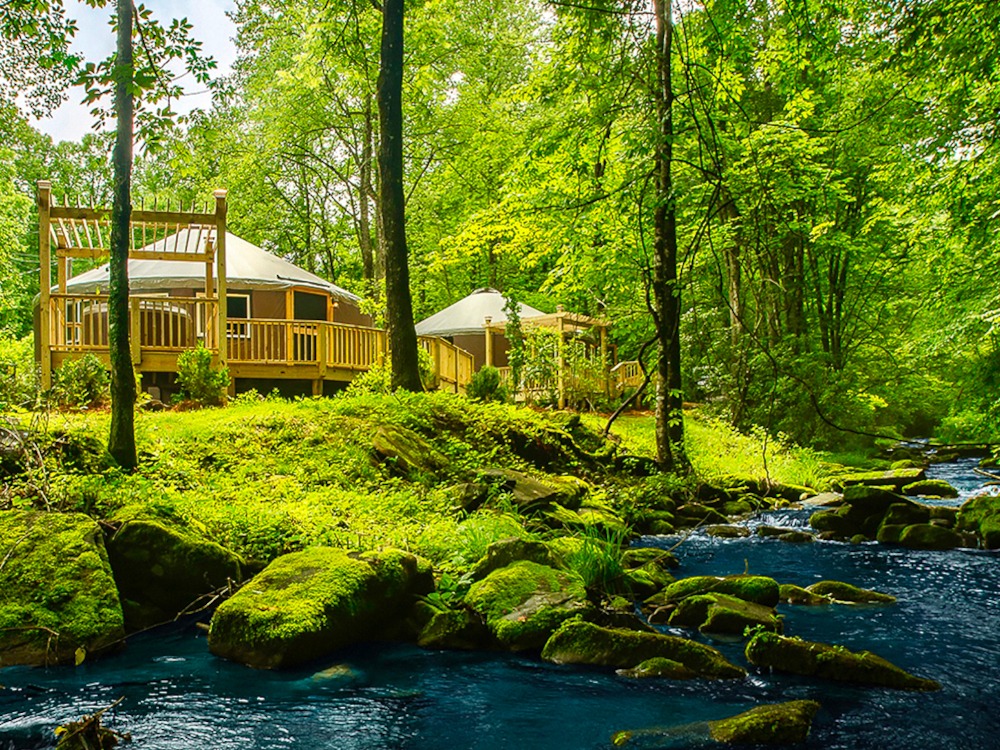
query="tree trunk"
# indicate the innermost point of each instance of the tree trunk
(121, 441)
(364, 221)
(399, 307)
(666, 289)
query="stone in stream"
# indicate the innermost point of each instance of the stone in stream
(160, 570)
(308, 604)
(723, 614)
(772, 724)
(725, 531)
(525, 602)
(931, 488)
(896, 479)
(58, 600)
(980, 515)
(792, 594)
(580, 642)
(757, 589)
(658, 667)
(929, 536)
(830, 662)
(842, 593)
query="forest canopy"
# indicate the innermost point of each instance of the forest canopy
(836, 184)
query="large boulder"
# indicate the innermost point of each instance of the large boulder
(455, 629)
(525, 602)
(406, 453)
(792, 594)
(757, 589)
(929, 536)
(57, 592)
(931, 488)
(830, 662)
(579, 642)
(723, 614)
(160, 570)
(502, 553)
(981, 516)
(531, 494)
(309, 604)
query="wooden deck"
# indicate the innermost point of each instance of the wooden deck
(163, 327)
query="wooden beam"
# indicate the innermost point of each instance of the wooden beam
(488, 333)
(220, 252)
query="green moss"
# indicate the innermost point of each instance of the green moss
(658, 667)
(830, 662)
(579, 642)
(775, 724)
(846, 592)
(757, 589)
(57, 592)
(981, 515)
(929, 537)
(506, 551)
(724, 614)
(308, 604)
(792, 594)
(525, 602)
(896, 478)
(931, 487)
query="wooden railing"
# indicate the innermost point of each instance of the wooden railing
(627, 375)
(78, 324)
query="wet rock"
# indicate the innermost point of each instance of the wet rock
(506, 551)
(896, 479)
(697, 514)
(793, 493)
(525, 602)
(824, 499)
(308, 604)
(740, 507)
(458, 629)
(161, 570)
(889, 533)
(797, 537)
(830, 662)
(929, 537)
(658, 667)
(792, 594)
(775, 724)
(980, 515)
(723, 614)
(931, 488)
(757, 589)
(57, 593)
(906, 514)
(842, 592)
(768, 531)
(579, 642)
(725, 531)
(638, 557)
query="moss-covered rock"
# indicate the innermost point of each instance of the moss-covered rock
(525, 602)
(723, 614)
(757, 589)
(506, 551)
(792, 594)
(531, 494)
(772, 531)
(455, 629)
(797, 537)
(895, 478)
(889, 533)
(839, 591)
(980, 515)
(930, 488)
(838, 523)
(405, 452)
(871, 500)
(309, 604)
(658, 667)
(929, 536)
(905, 514)
(57, 592)
(725, 531)
(640, 557)
(579, 642)
(775, 724)
(160, 570)
(694, 514)
(830, 662)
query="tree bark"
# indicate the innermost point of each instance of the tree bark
(666, 288)
(121, 441)
(364, 221)
(399, 307)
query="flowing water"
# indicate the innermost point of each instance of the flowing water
(946, 625)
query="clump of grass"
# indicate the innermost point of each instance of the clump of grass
(598, 558)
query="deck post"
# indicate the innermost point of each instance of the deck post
(321, 352)
(45, 265)
(457, 358)
(134, 330)
(605, 365)
(222, 323)
(561, 359)
(489, 342)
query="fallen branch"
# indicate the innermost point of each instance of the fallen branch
(88, 734)
(987, 474)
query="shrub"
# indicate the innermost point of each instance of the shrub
(18, 372)
(198, 380)
(486, 386)
(81, 383)
(377, 379)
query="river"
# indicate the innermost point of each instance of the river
(946, 625)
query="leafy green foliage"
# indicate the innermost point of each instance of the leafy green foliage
(486, 385)
(18, 372)
(199, 380)
(81, 383)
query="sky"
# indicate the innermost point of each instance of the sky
(95, 40)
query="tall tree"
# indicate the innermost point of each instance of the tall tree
(402, 336)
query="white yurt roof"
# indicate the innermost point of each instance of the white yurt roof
(469, 314)
(247, 267)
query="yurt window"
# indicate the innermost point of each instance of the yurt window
(238, 308)
(310, 306)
